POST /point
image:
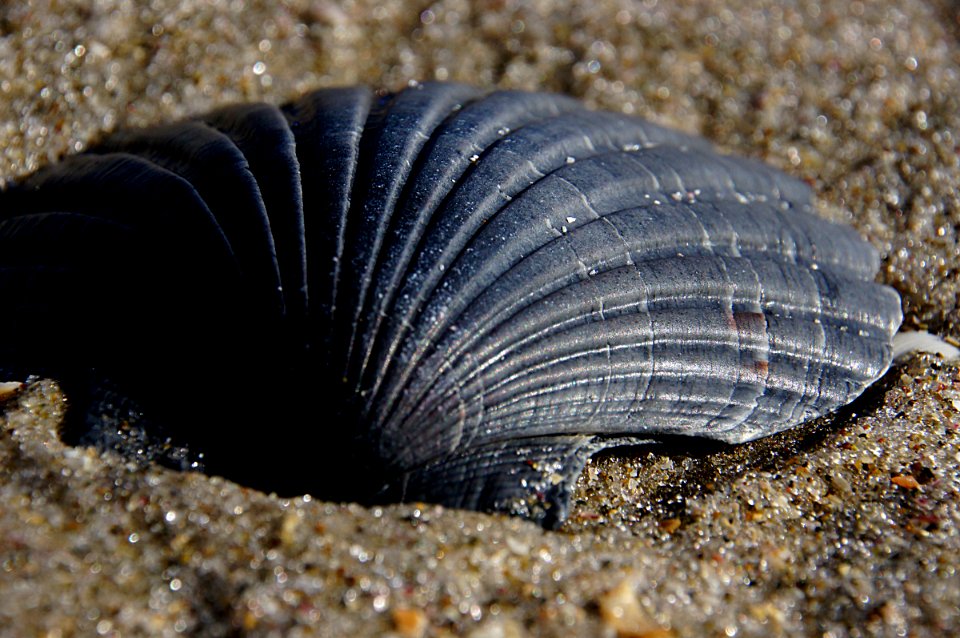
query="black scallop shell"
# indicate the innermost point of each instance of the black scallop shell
(439, 294)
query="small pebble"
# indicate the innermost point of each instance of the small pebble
(409, 623)
(905, 481)
(9, 389)
(622, 613)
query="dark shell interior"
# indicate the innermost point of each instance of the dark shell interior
(440, 294)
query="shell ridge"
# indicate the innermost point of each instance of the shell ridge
(557, 158)
(740, 301)
(823, 343)
(750, 300)
(725, 302)
(392, 139)
(442, 298)
(530, 477)
(262, 135)
(550, 111)
(526, 367)
(327, 156)
(837, 351)
(504, 347)
(583, 197)
(476, 328)
(75, 183)
(764, 221)
(355, 228)
(810, 314)
(789, 393)
(416, 233)
(197, 152)
(754, 235)
(782, 186)
(841, 250)
(750, 365)
(590, 343)
(407, 222)
(469, 333)
(744, 401)
(599, 262)
(414, 277)
(431, 204)
(643, 306)
(825, 402)
(628, 260)
(479, 411)
(674, 406)
(604, 195)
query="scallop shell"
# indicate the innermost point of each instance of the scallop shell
(440, 294)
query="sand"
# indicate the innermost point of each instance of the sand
(845, 527)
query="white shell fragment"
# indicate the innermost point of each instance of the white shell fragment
(908, 342)
(457, 295)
